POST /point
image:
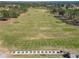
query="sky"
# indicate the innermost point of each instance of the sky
(39, 0)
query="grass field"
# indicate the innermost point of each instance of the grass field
(38, 29)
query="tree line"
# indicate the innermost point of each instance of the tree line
(68, 13)
(12, 10)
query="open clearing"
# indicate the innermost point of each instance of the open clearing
(37, 29)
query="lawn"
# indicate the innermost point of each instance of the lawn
(38, 29)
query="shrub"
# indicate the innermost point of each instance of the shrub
(69, 29)
(59, 22)
(9, 13)
(5, 13)
(13, 14)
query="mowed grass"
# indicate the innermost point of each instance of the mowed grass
(37, 29)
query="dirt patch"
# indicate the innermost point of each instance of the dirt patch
(41, 36)
(10, 20)
(4, 52)
(45, 28)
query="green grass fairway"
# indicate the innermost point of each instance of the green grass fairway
(38, 29)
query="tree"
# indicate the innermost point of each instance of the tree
(5, 13)
(13, 14)
(23, 8)
(61, 12)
